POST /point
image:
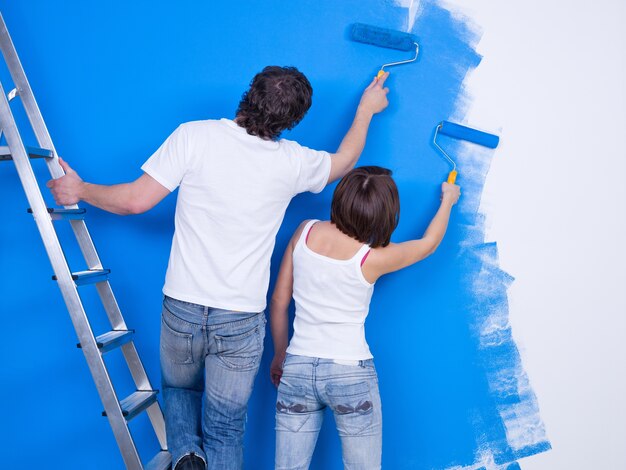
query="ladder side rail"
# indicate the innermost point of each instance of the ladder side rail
(79, 227)
(28, 100)
(135, 365)
(44, 140)
(85, 243)
(111, 307)
(67, 286)
(142, 381)
(155, 414)
(133, 360)
(84, 240)
(43, 136)
(105, 292)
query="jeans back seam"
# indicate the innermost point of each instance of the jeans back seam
(314, 383)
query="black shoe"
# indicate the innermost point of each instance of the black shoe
(190, 462)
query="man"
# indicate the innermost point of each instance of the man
(236, 180)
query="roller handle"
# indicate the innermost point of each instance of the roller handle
(381, 72)
(452, 176)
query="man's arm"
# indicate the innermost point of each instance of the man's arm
(373, 101)
(123, 199)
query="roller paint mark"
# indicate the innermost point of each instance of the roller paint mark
(507, 425)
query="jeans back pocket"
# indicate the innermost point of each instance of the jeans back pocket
(352, 405)
(241, 350)
(291, 407)
(176, 346)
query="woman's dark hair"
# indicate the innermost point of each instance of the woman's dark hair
(278, 99)
(366, 205)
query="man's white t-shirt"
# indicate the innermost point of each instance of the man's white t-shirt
(234, 190)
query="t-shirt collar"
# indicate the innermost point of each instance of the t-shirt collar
(234, 125)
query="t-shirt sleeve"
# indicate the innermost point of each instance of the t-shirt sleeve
(170, 162)
(314, 169)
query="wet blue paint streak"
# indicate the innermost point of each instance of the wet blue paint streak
(496, 353)
(125, 75)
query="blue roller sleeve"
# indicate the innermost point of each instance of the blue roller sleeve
(382, 37)
(467, 133)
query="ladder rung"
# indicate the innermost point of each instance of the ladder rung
(160, 461)
(65, 214)
(136, 403)
(91, 276)
(112, 339)
(33, 152)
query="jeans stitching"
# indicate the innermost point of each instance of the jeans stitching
(176, 318)
(254, 317)
(237, 337)
(358, 388)
(205, 312)
(188, 337)
(255, 359)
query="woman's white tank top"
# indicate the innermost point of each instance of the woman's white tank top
(332, 302)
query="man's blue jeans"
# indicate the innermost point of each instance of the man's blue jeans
(209, 360)
(307, 387)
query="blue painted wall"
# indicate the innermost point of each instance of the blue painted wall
(113, 79)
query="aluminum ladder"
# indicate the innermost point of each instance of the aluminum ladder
(119, 412)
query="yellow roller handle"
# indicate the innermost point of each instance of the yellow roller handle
(381, 72)
(452, 176)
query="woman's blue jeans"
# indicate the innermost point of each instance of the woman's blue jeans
(307, 387)
(209, 360)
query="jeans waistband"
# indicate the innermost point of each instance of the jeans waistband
(321, 360)
(202, 314)
(348, 363)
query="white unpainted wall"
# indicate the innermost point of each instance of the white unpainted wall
(553, 83)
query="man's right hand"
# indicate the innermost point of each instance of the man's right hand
(374, 98)
(373, 101)
(66, 189)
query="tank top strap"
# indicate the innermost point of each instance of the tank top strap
(305, 232)
(362, 253)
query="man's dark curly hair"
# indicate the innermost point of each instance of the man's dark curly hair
(278, 99)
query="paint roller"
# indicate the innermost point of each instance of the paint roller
(388, 38)
(460, 132)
